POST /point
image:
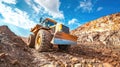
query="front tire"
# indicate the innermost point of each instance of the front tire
(42, 41)
(31, 40)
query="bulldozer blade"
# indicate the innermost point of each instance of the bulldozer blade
(64, 39)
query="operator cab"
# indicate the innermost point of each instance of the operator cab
(48, 23)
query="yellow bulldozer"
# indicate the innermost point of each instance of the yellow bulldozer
(49, 33)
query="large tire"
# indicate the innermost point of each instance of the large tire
(31, 41)
(42, 41)
(64, 47)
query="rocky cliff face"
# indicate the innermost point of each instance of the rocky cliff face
(104, 30)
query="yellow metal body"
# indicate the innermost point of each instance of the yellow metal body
(38, 27)
(64, 39)
(58, 28)
(35, 29)
(59, 37)
(53, 21)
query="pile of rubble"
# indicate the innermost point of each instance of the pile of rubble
(101, 35)
(105, 30)
(13, 51)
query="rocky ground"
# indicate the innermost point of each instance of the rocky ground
(94, 49)
(15, 53)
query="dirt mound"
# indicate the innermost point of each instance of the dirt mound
(106, 23)
(105, 30)
(13, 51)
(25, 39)
(101, 39)
(5, 30)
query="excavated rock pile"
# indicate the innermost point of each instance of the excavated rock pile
(103, 36)
(110, 38)
(105, 30)
(13, 51)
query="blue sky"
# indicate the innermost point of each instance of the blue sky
(22, 15)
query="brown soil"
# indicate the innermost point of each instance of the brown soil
(15, 53)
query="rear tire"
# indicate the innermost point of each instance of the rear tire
(64, 47)
(31, 40)
(42, 41)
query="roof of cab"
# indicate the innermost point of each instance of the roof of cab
(51, 20)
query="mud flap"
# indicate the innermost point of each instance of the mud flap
(64, 38)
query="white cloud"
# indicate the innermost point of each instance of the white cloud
(34, 7)
(15, 16)
(86, 5)
(9, 1)
(50, 6)
(28, 2)
(99, 8)
(73, 23)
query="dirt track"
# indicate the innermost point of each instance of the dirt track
(80, 55)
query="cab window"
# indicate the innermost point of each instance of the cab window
(49, 23)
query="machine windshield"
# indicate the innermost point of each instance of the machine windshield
(48, 24)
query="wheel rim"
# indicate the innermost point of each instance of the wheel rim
(38, 42)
